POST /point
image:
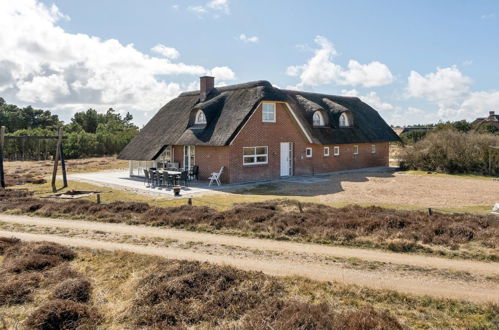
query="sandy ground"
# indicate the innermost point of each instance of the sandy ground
(397, 188)
(264, 257)
(18, 172)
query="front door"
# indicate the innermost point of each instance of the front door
(286, 158)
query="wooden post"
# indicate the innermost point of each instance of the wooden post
(63, 163)
(189, 201)
(2, 139)
(56, 160)
(300, 207)
(430, 212)
(98, 198)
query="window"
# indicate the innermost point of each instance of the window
(355, 149)
(373, 148)
(318, 119)
(200, 117)
(344, 121)
(326, 151)
(268, 112)
(308, 152)
(336, 151)
(255, 155)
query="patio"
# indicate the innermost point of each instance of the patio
(122, 180)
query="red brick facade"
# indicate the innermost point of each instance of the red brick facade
(285, 129)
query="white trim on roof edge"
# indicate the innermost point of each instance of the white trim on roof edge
(289, 109)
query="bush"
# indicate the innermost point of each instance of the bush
(451, 151)
(18, 289)
(36, 256)
(63, 314)
(180, 293)
(6, 242)
(78, 290)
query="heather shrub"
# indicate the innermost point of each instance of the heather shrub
(63, 314)
(78, 290)
(451, 151)
(7, 242)
(18, 289)
(180, 293)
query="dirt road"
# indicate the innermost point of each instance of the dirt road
(414, 283)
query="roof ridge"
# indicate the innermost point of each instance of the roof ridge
(250, 84)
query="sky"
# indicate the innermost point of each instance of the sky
(415, 62)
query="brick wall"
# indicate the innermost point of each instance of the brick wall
(285, 129)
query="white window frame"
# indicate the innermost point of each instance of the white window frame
(345, 119)
(321, 119)
(336, 150)
(326, 151)
(356, 149)
(265, 114)
(198, 114)
(255, 156)
(307, 154)
(373, 148)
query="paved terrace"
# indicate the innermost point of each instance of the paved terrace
(121, 180)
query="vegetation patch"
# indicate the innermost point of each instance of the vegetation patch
(31, 267)
(410, 231)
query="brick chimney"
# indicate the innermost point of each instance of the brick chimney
(206, 84)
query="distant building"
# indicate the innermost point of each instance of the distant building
(492, 120)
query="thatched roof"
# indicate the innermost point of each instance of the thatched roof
(227, 109)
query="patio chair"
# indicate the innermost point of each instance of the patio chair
(215, 176)
(184, 176)
(194, 173)
(147, 177)
(168, 179)
(154, 175)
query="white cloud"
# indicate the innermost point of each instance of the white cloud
(40, 62)
(214, 6)
(320, 70)
(221, 5)
(244, 38)
(487, 17)
(222, 74)
(449, 89)
(368, 75)
(447, 86)
(168, 52)
(371, 98)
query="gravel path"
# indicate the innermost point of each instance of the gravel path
(413, 284)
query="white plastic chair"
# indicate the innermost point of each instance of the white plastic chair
(215, 176)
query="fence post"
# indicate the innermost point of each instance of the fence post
(430, 212)
(56, 160)
(189, 201)
(300, 207)
(98, 198)
(63, 161)
(2, 140)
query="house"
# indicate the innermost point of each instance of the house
(491, 122)
(260, 132)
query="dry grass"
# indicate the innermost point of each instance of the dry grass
(31, 269)
(22, 172)
(414, 231)
(184, 289)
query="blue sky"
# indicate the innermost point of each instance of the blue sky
(414, 61)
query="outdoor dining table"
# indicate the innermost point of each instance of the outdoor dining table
(175, 174)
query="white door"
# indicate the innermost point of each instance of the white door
(286, 156)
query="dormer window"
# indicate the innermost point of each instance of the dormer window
(200, 118)
(344, 120)
(318, 119)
